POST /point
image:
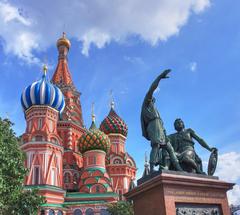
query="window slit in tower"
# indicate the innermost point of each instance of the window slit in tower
(36, 175)
(39, 123)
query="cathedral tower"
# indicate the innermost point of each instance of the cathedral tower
(121, 166)
(71, 124)
(94, 145)
(43, 103)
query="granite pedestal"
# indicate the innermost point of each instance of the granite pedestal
(171, 193)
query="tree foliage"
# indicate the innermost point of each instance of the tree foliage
(13, 198)
(121, 208)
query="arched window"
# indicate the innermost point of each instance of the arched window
(54, 176)
(75, 177)
(39, 123)
(51, 212)
(75, 180)
(104, 212)
(77, 212)
(117, 161)
(129, 163)
(89, 211)
(97, 189)
(50, 124)
(54, 140)
(67, 177)
(36, 175)
(94, 160)
(38, 138)
(59, 213)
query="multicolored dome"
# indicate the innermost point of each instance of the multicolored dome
(42, 92)
(94, 139)
(114, 124)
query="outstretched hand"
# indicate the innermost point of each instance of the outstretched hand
(164, 74)
(213, 149)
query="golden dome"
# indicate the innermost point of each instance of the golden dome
(63, 41)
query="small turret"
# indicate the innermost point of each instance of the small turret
(94, 145)
(146, 167)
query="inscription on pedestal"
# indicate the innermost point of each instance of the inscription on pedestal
(193, 193)
(198, 209)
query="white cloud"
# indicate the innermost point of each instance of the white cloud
(193, 66)
(228, 166)
(233, 195)
(16, 34)
(228, 170)
(10, 13)
(99, 38)
(91, 22)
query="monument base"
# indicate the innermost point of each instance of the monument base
(174, 193)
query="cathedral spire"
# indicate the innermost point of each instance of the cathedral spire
(62, 78)
(62, 75)
(93, 115)
(45, 69)
(93, 125)
(111, 100)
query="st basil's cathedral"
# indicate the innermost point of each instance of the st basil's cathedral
(78, 170)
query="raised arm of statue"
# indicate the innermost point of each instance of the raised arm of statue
(154, 85)
(200, 140)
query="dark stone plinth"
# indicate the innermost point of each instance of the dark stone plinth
(168, 192)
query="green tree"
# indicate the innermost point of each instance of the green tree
(121, 208)
(13, 198)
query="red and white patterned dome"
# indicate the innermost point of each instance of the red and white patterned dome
(114, 124)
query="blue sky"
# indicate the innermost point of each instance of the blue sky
(123, 48)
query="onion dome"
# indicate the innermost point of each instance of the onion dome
(42, 92)
(94, 139)
(114, 124)
(63, 41)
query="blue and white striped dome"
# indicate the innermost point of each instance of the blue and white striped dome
(42, 92)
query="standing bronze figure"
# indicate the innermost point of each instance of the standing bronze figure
(152, 127)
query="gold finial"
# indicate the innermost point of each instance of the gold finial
(45, 69)
(93, 115)
(111, 99)
(63, 41)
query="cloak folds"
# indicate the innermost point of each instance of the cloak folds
(152, 125)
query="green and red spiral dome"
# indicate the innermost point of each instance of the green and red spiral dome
(113, 124)
(94, 139)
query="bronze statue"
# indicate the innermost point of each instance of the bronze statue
(152, 127)
(183, 144)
